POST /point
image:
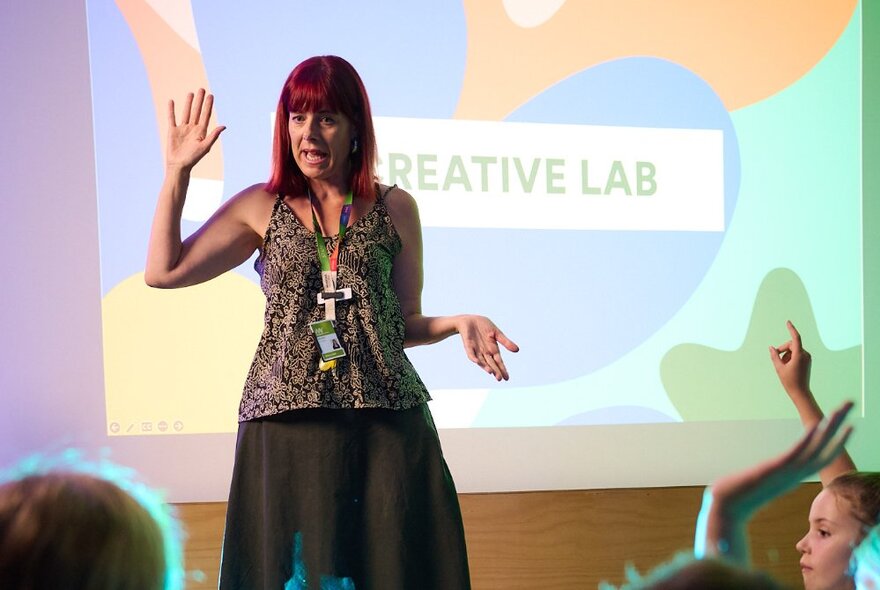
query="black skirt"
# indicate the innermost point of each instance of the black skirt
(342, 499)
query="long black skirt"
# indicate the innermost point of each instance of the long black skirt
(338, 499)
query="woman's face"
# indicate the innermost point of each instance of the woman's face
(321, 143)
(827, 547)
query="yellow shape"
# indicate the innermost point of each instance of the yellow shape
(174, 67)
(175, 360)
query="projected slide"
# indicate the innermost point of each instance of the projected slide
(639, 193)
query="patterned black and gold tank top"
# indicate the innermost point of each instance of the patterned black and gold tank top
(375, 373)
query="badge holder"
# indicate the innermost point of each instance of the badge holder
(328, 343)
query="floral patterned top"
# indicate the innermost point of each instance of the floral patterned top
(375, 373)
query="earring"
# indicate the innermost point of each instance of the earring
(354, 145)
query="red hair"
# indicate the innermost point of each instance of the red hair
(325, 81)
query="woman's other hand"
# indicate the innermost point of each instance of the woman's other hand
(481, 337)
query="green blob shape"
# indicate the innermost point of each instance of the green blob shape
(705, 383)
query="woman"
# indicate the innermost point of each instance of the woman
(338, 472)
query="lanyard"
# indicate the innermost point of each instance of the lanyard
(329, 263)
(330, 294)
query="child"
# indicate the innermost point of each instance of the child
(841, 514)
(66, 523)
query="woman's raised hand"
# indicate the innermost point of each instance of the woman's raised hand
(190, 140)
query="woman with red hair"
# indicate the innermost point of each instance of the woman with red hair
(339, 474)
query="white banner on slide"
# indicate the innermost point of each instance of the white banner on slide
(495, 174)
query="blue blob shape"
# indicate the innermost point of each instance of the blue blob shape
(617, 415)
(411, 56)
(611, 289)
(127, 150)
(640, 92)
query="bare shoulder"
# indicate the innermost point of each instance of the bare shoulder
(254, 196)
(253, 206)
(404, 214)
(401, 205)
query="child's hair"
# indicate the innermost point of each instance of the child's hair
(862, 490)
(68, 523)
(685, 572)
(866, 560)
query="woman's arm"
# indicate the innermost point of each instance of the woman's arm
(480, 336)
(792, 363)
(227, 239)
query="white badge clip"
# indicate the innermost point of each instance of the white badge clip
(330, 295)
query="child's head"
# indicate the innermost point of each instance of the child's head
(76, 525)
(684, 572)
(840, 517)
(861, 490)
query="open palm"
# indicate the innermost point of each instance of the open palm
(189, 141)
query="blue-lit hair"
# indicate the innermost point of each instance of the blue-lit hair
(865, 561)
(76, 486)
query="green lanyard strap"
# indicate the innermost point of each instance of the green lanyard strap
(329, 263)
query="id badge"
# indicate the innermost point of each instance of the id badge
(328, 342)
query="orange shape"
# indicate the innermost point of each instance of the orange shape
(174, 68)
(745, 50)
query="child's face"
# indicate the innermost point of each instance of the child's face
(827, 547)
